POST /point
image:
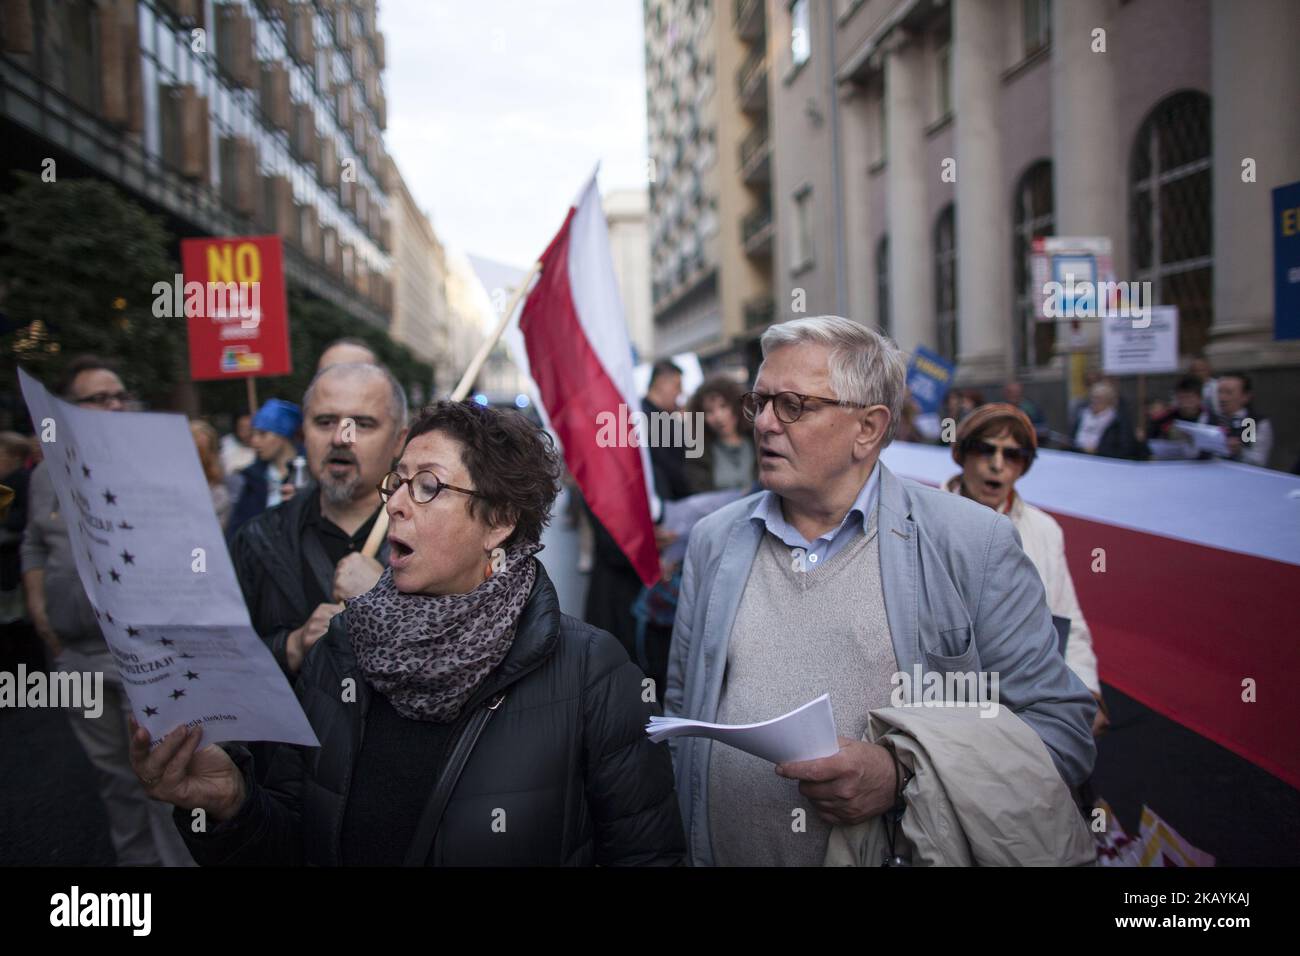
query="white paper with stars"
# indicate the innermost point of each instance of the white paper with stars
(155, 566)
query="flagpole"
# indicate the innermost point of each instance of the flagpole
(380, 529)
(471, 373)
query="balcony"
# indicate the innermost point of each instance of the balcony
(751, 82)
(750, 21)
(758, 312)
(756, 232)
(756, 157)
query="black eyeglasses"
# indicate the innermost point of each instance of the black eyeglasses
(105, 398)
(789, 406)
(425, 486)
(986, 450)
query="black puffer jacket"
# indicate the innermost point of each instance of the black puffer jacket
(566, 753)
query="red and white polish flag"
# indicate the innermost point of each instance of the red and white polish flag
(580, 356)
(1187, 574)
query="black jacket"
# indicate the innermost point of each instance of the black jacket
(668, 463)
(268, 560)
(565, 755)
(251, 502)
(1119, 440)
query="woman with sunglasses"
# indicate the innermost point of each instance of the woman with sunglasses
(995, 446)
(463, 719)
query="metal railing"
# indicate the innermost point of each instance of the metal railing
(758, 311)
(755, 65)
(754, 223)
(755, 143)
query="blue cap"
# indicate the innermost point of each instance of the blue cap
(277, 415)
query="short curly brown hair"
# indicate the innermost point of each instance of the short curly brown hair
(730, 391)
(513, 464)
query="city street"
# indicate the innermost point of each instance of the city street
(49, 811)
(304, 305)
(50, 814)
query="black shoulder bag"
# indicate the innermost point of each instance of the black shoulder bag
(418, 852)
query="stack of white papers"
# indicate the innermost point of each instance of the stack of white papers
(806, 733)
(1205, 437)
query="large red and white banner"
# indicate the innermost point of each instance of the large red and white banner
(1194, 613)
(580, 356)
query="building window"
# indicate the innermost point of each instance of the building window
(943, 82)
(69, 41)
(803, 230)
(882, 286)
(945, 282)
(1037, 22)
(1034, 217)
(882, 127)
(800, 33)
(1171, 236)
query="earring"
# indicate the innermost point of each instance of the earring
(498, 559)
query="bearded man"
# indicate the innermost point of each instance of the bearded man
(297, 562)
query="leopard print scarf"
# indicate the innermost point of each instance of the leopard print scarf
(428, 654)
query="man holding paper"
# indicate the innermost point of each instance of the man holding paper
(836, 579)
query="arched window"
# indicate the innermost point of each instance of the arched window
(945, 282)
(882, 285)
(1034, 217)
(1170, 224)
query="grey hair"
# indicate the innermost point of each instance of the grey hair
(398, 396)
(865, 366)
(1103, 388)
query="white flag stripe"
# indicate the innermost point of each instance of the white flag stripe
(1220, 504)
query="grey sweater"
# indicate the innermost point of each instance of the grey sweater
(796, 636)
(46, 546)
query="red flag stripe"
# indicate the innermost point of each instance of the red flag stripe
(1179, 626)
(576, 389)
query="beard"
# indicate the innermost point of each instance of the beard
(336, 491)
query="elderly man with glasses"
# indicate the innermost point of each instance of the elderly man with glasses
(834, 579)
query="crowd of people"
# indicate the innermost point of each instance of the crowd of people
(1101, 422)
(398, 550)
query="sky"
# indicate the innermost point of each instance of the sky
(498, 110)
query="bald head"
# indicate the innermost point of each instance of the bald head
(354, 423)
(367, 379)
(347, 352)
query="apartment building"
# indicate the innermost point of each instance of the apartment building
(921, 146)
(710, 223)
(627, 219)
(420, 314)
(229, 117)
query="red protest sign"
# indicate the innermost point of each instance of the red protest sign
(233, 300)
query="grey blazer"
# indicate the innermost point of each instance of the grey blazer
(960, 595)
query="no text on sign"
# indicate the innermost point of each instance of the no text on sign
(239, 327)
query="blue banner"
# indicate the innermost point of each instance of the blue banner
(928, 377)
(1286, 262)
